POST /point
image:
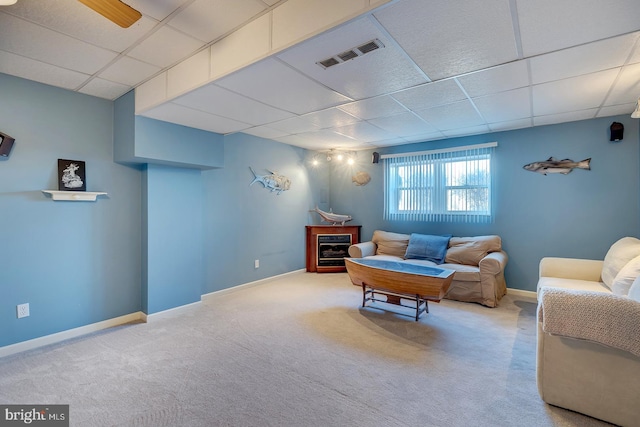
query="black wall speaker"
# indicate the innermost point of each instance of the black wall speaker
(6, 143)
(617, 129)
(376, 157)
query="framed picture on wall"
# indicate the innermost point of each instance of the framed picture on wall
(71, 175)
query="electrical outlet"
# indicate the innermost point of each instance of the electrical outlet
(256, 263)
(23, 310)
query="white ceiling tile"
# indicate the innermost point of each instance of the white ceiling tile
(383, 70)
(320, 140)
(104, 89)
(565, 117)
(577, 93)
(510, 125)
(365, 132)
(295, 125)
(627, 87)
(424, 137)
(583, 59)
(447, 38)
(189, 74)
(158, 9)
(265, 132)
(80, 22)
(270, 2)
(505, 106)
(40, 72)
(615, 110)
(294, 20)
(208, 20)
(472, 130)
(548, 25)
(165, 47)
(129, 71)
(222, 102)
(405, 124)
(451, 116)
(497, 79)
(35, 42)
(373, 107)
(179, 114)
(274, 83)
(430, 95)
(331, 117)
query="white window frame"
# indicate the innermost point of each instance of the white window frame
(429, 195)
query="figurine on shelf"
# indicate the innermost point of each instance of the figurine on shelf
(331, 217)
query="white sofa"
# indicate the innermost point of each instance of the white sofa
(478, 263)
(588, 343)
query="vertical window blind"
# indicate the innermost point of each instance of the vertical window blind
(449, 185)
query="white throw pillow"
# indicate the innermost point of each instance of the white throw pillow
(619, 254)
(634, 290)
(625, 277)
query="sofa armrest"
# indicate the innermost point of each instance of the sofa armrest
(571, 268)
(361, 250)
(607, 319)
(494, 263)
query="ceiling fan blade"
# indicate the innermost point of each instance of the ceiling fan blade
(114, 10)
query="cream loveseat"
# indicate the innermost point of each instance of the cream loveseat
(478, 262)
(588, 347)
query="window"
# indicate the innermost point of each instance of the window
(441, 185)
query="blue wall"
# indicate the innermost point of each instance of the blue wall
(75, 263)
(243, 223)
(576, 215)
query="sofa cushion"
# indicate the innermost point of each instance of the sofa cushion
(427, 246)
(619, 254)
(464, 273)
(625, 277)
(390, 243)
(559, 282)
(634, 290)
(470, 250)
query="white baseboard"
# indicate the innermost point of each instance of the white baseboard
(523, 294)
(68, 334)
(168, 312)
(248, 285)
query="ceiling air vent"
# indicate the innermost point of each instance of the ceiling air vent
(351, 54)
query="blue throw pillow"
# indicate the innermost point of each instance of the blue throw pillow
(426, 246)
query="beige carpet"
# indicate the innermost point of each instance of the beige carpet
(297, 351)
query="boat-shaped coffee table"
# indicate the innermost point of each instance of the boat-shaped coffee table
(399, 280)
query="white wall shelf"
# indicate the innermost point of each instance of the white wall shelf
(74, 196)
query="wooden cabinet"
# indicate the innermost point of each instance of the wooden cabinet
(327, 246)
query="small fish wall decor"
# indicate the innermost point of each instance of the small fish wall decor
(361, 178)
(274, 181)
(553, 165)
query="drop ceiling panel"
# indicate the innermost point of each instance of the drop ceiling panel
(383, 70)
(373, 107)
(565, 117)
(457, 115)
(129, 71)
(473, 130)
(179, 114)
(419, 138)
(446, 38)
(365, 132)
(332, 117)
(158, 9)
(510, 125)
(583, 59)
(405, 124)
(614, 110)
(627, 87)
(222, 102)
(274, 83)
(104, 89)
(80, 22)
(207, 20)
(35, 42)
(265, 132)
(165, 47)
(548, 25)
(295, 125)
(497, 79)
(430, 95)
(505, 106)
(577, 93)
(320, 140)
(40, 72)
